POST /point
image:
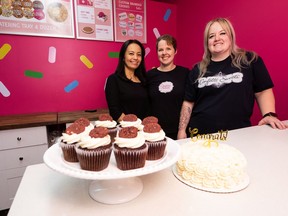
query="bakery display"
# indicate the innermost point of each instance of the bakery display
(94, 150)
(212, 166)
(155, 139)
(130, 149)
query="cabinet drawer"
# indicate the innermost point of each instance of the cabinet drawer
(16, 138)
(22, 157)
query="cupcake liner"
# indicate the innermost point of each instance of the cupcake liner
(69, 153)
(156, 149)
(128, 158)
(94, 159)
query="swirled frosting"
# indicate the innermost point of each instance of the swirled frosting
(71, 139)
(136, 142)
(137, 124)
(217, 166)
(152, 137)
(106, 123)
(92, 143)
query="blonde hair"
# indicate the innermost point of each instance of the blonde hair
(238, 55)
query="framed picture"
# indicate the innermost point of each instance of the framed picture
(130, 20)
(52, 18)
(94, 19)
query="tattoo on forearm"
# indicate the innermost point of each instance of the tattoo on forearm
(184, 117)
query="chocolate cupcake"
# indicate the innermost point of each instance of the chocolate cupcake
(156, 141)
(130, 120)
(69, 139)
(105, 120)
(130, 149)
(94, 150)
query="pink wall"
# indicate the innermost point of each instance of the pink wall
(259, 25)
(47, 94)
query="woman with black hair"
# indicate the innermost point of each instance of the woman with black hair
(125, 90)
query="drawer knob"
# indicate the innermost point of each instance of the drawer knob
(21, 158)
(19, 138)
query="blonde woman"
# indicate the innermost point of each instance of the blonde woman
(222, 88)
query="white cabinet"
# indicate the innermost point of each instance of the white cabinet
(19, 148)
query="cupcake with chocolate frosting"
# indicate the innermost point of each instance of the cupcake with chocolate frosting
(69, 139)
(105, 120)
(156, 141)
(94, 150)
(130, 149)
(130, 120)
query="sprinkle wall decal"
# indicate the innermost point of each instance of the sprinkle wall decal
(4, 50)
(3, 90)
(34, 74)
(86, 61)
(156, 32)
(167, 15)
(113, 54)
(71, 86)
(52, 55)
(147, 51)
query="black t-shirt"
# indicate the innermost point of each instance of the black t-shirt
(125, 96)
(166, 91)
(224, 97)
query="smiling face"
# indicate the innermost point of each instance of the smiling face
(166, 53)
(219, 42)
(132, 57)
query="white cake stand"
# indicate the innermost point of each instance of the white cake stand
(112, 185)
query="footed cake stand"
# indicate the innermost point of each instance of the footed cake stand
(112, 185)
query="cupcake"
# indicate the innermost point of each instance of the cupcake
(105, 120)
(130, 149)
(94, 150)
(86, 123)
(155, 139)
(131, 120)
(150, 119)
(69, 139)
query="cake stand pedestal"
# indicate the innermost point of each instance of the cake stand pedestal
(115, 191)
(112, 185)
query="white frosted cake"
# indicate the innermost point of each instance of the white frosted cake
(212, 166)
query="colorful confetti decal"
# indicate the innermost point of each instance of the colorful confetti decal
(147, 51)
(3, 90)
(33, 74)
(52, 55)
(156, 32)
(71, 86)
(86, 61)
(4, 50)
(113, 54)
(167, 15)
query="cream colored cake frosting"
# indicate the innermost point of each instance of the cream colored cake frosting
(211, 166)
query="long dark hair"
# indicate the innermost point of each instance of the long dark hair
(140, 72)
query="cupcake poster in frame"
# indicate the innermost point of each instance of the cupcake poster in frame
(38, 18)
(94, 20)
(130, 20)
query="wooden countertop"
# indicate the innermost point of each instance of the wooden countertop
(43, 119)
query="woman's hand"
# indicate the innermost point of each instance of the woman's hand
(274, 122)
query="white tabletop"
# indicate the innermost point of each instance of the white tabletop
(44, 192)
